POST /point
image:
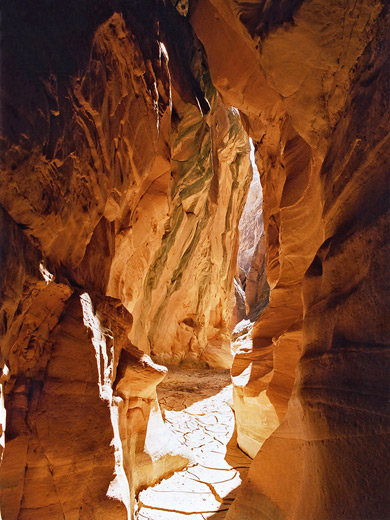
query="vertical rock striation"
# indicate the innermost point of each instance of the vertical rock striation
(251, 253)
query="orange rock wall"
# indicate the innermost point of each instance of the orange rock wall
(311, 81)
(121, 202)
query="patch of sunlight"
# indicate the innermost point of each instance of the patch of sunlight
(119, 486)
(243, 378)
(206, 488)
(256, 174)
(47, 276)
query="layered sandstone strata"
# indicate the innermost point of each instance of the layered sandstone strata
(310, 80)
(122, 187)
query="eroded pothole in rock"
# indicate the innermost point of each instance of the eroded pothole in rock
(197, 406)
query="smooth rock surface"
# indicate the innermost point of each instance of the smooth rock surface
(316, 104)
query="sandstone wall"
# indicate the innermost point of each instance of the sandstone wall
(308, 78)
(123, 178)
(121, 192)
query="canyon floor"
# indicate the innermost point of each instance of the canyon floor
(197, 405)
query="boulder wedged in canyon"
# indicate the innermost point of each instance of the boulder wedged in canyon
(121, 204)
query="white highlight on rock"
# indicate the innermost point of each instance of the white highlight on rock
(92, 322)
(47, 276)
(3, 412)
(243, 378)
(163, 50)
(119, 485)
(251, 223)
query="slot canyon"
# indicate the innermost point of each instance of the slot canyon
(195, 246)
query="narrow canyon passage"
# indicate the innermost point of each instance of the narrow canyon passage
(197, 406)
(134, 238)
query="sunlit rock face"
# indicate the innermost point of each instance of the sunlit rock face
(251, 224)
(178, 283)
(122, 187)
(310, 81)
(251, 256)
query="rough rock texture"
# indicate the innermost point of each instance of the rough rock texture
(122, 192)
(316, 103)
(185, 288)
(68, 358)
(239, 310)
(256, 285)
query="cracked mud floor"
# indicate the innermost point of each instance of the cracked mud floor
(197, 407)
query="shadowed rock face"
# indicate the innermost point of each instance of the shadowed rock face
(124, 175)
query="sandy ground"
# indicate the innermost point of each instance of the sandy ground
(197, 405)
